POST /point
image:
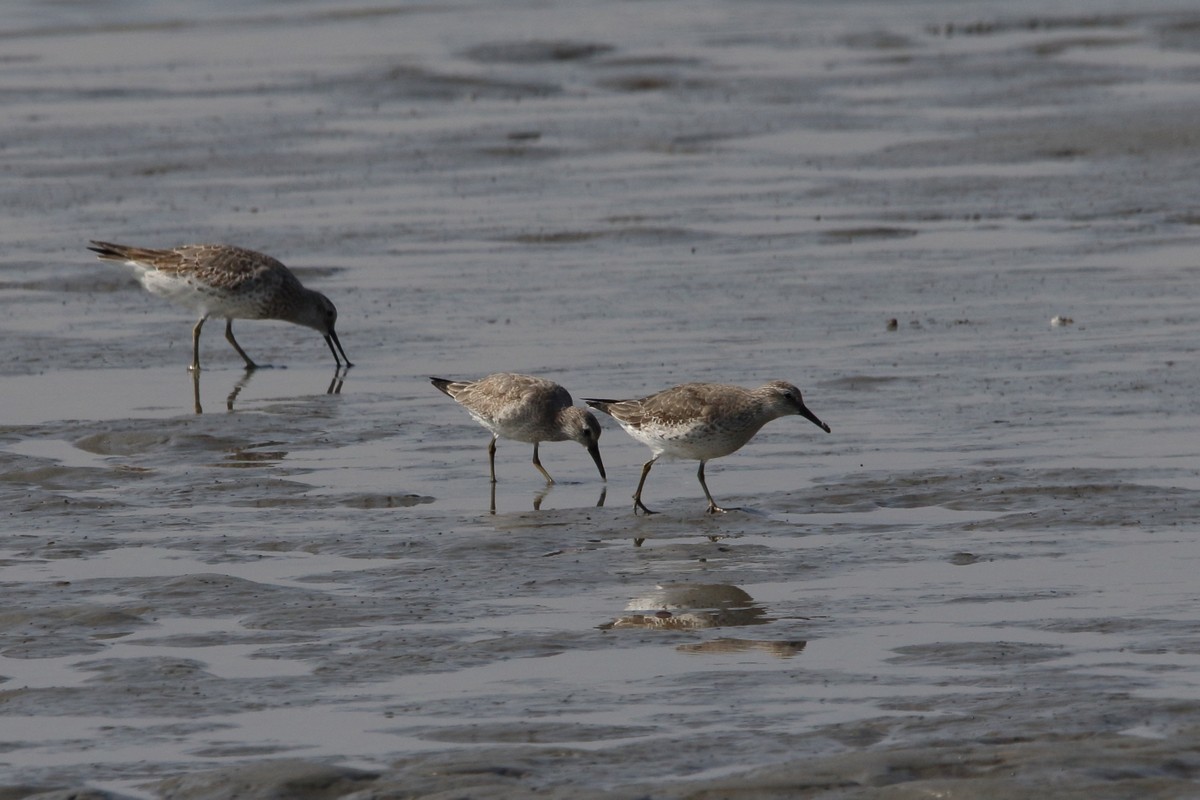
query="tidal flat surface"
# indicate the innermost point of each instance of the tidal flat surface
(299, 582)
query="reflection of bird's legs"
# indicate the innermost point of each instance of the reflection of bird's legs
(713, 508)
(637, 496)
(237, 389)
(537, 463)
(229, 336)
(196, 390)
(492, 507)
(492, 458)
(196, 343)
(603, 494)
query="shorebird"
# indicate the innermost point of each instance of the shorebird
(231, 282)
(702, 421)
(525, 409)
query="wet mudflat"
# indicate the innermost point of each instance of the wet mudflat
(293, 583)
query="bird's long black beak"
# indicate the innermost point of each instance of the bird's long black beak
(594, 452)
(331, 339)
(811, 417)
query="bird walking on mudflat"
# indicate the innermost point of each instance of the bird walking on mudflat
(231, 282)
(702, 421)
(528, 409)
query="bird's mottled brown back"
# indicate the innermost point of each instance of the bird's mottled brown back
(505, 394)
(219, 266)
(696, 403)
(231, 268)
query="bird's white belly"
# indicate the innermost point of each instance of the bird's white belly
(696, 443)
(198, 296)
(516, 430)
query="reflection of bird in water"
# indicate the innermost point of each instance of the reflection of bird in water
(246, 457)
(339, 378)
(541, 495)
(724, 645)
(525, 409)
(233, 393)
(695, 606)
(237, 389)
(229, 282)
(692, 605)
(335, 387)
(702, 421)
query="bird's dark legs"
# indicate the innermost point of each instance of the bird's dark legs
(229, 337)
(713, 508)
(196, 344)
(492, 457)
(637, 496)
(537, 463)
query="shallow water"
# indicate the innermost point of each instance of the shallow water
(980, 584)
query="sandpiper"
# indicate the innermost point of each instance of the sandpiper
(231, 282)
(525, 409)
(702, 421)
